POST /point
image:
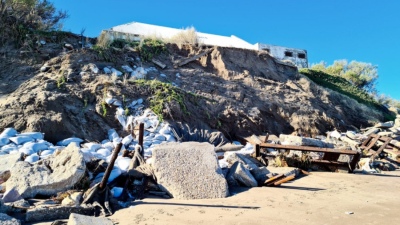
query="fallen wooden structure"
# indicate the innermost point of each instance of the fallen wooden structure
(279, 179)
(330, 157)
(386, 146)
(190, 59)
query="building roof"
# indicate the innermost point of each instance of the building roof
(167, 32)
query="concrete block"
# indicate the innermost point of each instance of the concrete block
(55, 174)
(55, 213)
(303, 141)
(189, 170)
(385, 125)
(242, 175)
(77, 219)
(8, 220)
(8, 161)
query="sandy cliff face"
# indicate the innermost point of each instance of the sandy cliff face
(237, 91)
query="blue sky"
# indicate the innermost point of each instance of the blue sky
(362, 30)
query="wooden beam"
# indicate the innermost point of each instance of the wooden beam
(188, 60)
(307, 148)
(284, 180)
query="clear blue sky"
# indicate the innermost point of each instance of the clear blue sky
(362, 30)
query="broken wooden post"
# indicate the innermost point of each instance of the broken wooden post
(257, 150)
(159, 63)
(188, 60)
(110, 167)
(266, 138)
(141, 134)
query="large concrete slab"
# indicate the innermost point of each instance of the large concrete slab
(54, 174)
(8, 161)
(303, 141)
(77, 219)
(189, 170)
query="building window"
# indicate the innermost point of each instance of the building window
(288, 54)
(301, 55)
(266, 49)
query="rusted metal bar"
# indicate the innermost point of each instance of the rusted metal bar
(284, 180)
(382, 147)
(354, 162)
(110, 167)
(307, 148)
(266, 138)
(257, 150)
(141, 134)
(273, 179)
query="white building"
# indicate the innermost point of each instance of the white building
(136, 30)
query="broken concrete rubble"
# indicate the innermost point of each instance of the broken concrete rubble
(189, 170)
(54, 174)
(8, 220)
(78, 219)
(238, 173)
(303, 141)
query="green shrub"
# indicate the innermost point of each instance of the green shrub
(341, 85)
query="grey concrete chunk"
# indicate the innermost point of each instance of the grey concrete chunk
(372, 130)
(55, 174)
(242, 175)
(8, 220)
(55, 213)
(8, 161)
(77, 219)
(387, 124)
(247, 161)
(303, 141)
(260, 174)
(189, 170)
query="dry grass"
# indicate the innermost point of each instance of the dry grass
(186, 36)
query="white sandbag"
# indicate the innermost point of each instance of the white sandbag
(34, 135)
(16, 151)
(123, 163)
(35, 146)
(116, 72)
(109, 101)
(46, 152)
(32, 158)
(92, 146)
(67, 141)
(148, 152)
(117, 103)
(19, 140)
(116, 172)
(159, 137)
(8, 148)
(121, 119)
(107, 70)
(112, 134)
(169, 138)
(26, 151)
(127, 140)
(109, 145)
(104, 152)
(156, 142)
(10, 132)
(127, 68)
(117, 191)
(139, 73)
(4, 140)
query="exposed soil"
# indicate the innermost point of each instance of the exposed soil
(239, 92)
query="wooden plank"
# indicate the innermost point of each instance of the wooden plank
(331, 156)
(284, 180)
(382, 147)
(159, 63)
(257, 150)
(273, 179)
(307, 148)
(329, 163)
(266, 138)
(188, 60)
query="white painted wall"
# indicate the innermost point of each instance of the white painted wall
(279, 53)
(142, 29)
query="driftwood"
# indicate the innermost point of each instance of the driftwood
(159, 63)
(190, 59)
